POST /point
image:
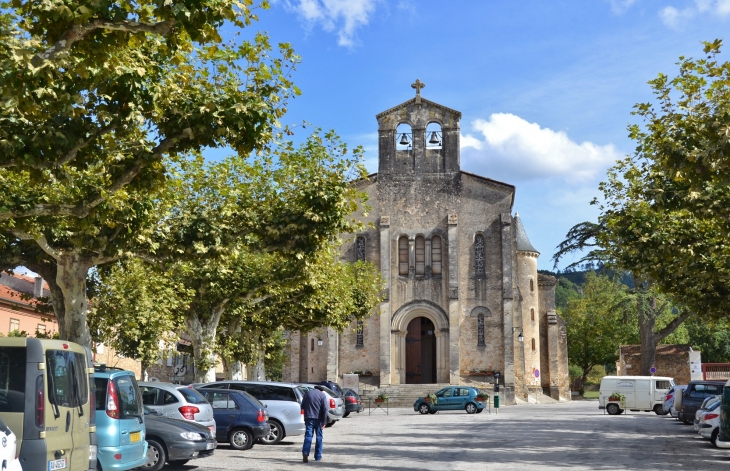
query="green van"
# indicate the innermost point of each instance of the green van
(46, 399)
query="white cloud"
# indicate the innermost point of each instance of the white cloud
(621, 6)
(675, 18)
(513, 149)
(341, 16)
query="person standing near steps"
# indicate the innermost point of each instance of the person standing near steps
(314, 406)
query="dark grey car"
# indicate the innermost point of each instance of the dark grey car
(175, 441)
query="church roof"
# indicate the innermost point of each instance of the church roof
(423, 100)
(523, 242)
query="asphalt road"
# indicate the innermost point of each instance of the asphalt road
(574, 436)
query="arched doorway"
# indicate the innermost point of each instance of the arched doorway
(421, 351)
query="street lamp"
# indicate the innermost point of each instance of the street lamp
(320, 342)
(520, 338)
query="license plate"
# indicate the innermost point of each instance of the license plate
(57, 464)
(135, 437)
(210, 446)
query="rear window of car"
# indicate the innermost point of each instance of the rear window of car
(192, 396)
(67, 378)
(130, 402)
(100, 393)
(12, 379)
(253, 400)
(705, 390)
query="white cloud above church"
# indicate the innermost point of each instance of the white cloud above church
(512, 149)
(342, 17)
(677, 18)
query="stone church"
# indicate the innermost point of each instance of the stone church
(463, 299)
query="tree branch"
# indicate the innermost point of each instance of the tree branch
(40, 240)
(672, 326)
(78, 32)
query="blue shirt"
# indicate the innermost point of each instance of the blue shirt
(315, 405)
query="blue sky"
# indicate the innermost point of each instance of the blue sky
(545, 88)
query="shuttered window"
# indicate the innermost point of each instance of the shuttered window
(436, 255)
(403, 255)
(420, 255)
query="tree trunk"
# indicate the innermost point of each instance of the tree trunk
(648, 313)
(48, 271)
(258, 372)
(71, 279)
(233, 370)
(203, 334)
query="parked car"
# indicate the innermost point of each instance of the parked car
(46, 397)
(336, 404)
(240, 418)
(696, 392)
(179, 402)
(641, 393)
(119, 424)
(668, 399)
(353, 403)
(283, 405)
(706, 404)
(8, 451)
(175, 441)
(723, 437)
(709, 421)
(452, 398)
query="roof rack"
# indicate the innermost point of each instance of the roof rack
(103, 367)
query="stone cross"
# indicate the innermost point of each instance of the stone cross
(418, 85)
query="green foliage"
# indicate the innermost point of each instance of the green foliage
(275, 356)
(712, 338)
(597, 323)
(596, 374)
(135, 309)
(97, 98)
(565, 291)
(574, 372)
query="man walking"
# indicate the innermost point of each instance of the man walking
(314, 406)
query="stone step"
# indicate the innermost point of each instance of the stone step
(400, 395)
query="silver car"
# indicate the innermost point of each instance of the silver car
(336, 408)
(282, 401)
(180, 402)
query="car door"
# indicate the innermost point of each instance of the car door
(445, 399)
(170, 405)
(461, 395)
(224, 418)
(60, 417)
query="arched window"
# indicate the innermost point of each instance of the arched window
(533, 345)
(312, 345)
(360, 248)
(420, 255)
(434, 138)
(479, 268)
(532, 285)
(359, 334)
(403, 255)
(403, 137)
(532, 314)
(436, 255)
(480, 330)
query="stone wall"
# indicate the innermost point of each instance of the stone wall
(670, 360)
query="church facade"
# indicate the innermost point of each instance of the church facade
(463, 299)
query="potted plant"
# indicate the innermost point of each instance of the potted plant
(431, 397)
(382, 397)
(481, 397)
(616, 397)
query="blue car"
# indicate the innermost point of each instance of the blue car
(240, 419)
(119, 420)
(452, 398)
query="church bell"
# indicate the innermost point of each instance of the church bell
(434, 139)
(404, 140)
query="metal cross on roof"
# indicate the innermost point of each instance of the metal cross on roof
(418, 85)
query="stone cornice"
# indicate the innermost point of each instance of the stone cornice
(412, 101)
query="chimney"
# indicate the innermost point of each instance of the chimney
(38, 287)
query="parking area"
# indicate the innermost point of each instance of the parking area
(533, 436)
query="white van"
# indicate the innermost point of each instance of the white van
(641, 393)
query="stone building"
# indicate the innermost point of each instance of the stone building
(462, 287)
(675, 361)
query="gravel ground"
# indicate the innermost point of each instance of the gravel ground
(536, 436)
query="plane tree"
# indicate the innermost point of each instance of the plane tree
(98, 98)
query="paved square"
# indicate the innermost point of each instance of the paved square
(573, 436)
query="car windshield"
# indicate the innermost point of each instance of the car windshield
(192, 396)
(328, 391)
(131, 403)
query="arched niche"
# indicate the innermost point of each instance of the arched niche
(434, 136)
(404, 137)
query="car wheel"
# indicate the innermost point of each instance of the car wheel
(659, 410)
(178, 462)
(275, 434)
(346, 414)
(424, 409)
(713, 437)
(156, 456)
(241, 439)
(686, 422)
(330, 423)
(479, 411)
(613, 409)
(470, 408)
